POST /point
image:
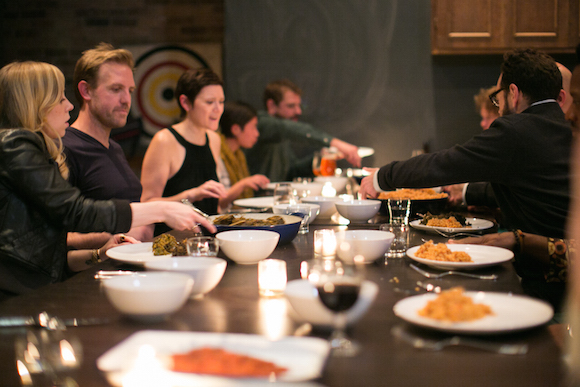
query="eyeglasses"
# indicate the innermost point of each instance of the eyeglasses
(493, 97)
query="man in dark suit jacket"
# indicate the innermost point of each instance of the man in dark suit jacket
(525, 155)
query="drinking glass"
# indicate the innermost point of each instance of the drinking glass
(284, 194)
(398, 247)
(399, 210)
(302, 211)
(338, 287)
(202, 246)
(316, 163)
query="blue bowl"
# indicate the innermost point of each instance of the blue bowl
(287, 231)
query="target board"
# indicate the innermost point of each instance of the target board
(157, 70)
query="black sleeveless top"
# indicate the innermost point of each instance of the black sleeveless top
(197, 168)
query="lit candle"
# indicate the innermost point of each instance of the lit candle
(272, 277)
(324, 243)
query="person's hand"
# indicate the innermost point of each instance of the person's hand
(349, 151)
(455, 193)
(506, 240)
(256, 182)
(182, 217)
(367, 188)
(114, 241)
(209, 189)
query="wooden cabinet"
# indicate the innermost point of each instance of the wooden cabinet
(495, 26)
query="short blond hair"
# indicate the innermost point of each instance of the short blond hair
(28, 92)
(88, 65)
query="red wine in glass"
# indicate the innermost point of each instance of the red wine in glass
(338, 297)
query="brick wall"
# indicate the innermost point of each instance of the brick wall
(57, 31)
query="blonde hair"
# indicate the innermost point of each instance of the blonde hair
(28, 92)
(88, 65)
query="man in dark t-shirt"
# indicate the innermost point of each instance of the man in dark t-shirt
(103, 80)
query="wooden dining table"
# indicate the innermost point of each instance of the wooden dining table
(235, 306)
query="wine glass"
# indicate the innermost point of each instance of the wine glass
(338, 288)
(284, 194)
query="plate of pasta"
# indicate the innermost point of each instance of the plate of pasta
(458, 256)
(504, 313)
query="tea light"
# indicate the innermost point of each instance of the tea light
(324, 243)
(272, 277)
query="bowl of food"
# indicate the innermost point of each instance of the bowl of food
(150, 296)
(303, 297)
(366, 245)
(423, 200)
(337, 182)
(358, 210)
(248, 247)
(206, 272)
(327, 207)
(283, 209)
(286, 226)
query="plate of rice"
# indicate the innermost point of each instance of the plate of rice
(472, 225)
(457, 256)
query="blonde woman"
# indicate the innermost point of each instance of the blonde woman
(38, 205)
(181, 161)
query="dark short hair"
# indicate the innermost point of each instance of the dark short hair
(275, 90)
(535, 73)
(191, 82)
(236, 112)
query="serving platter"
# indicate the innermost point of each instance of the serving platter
(510, 313)
(304, 357)
(135, 254)
(482, 256)
(477, 224)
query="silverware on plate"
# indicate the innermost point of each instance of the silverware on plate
(437, 345)
(452, 272)
(48, 321)
(455, 235)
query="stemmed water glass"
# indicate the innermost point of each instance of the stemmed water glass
(338, 288)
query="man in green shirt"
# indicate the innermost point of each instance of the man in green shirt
(280, 129)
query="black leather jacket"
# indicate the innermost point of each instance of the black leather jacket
(37, 208)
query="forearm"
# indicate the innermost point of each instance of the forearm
(232, 194)
(87, 241)
(79, 260)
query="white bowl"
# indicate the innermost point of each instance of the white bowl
(307, 189)
(314, 210)
(303, 297)
(327, 207)
(148, 297)
(358, 210)
(248, 247)
(206, 272)
(338, 182)
(370, 244)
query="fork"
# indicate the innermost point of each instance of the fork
(452, 235)
(452, 272)
(437, 345)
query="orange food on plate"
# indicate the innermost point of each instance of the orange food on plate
(450, 222)
(412, 194)
(440, 252)
(216, 361)
(452, 305)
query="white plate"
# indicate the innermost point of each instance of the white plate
(477, 224)
(511, 313)
(481, 256)
(304, 357)
(364, 151)
(136, 254)
(259, 202)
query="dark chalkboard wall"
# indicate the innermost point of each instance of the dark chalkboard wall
(365, 68)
